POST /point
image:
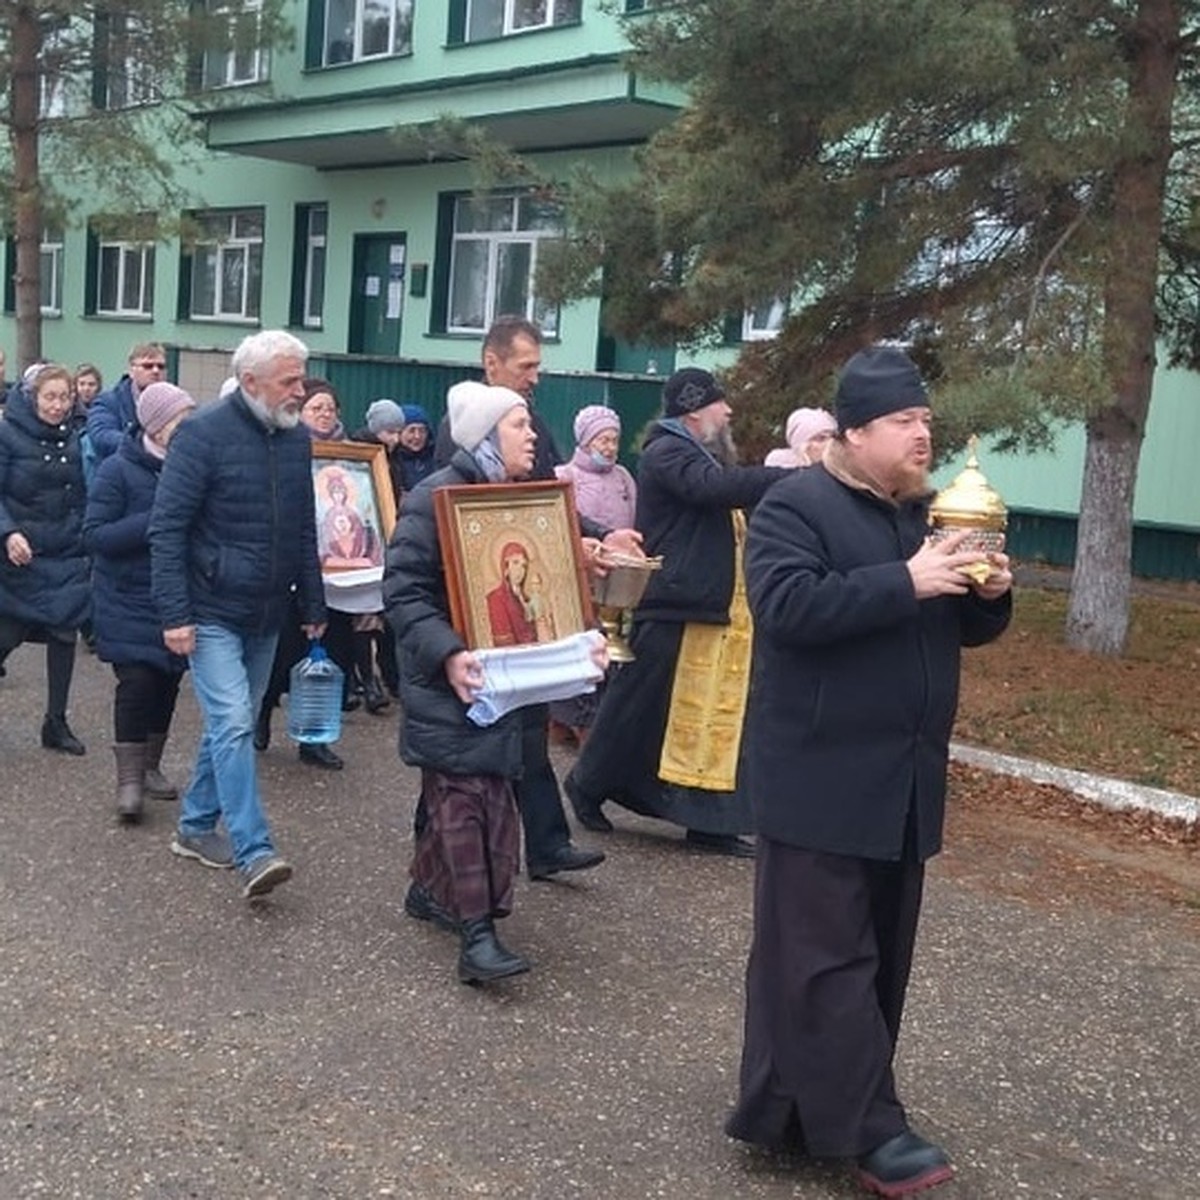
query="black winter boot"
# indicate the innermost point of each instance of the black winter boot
(158, 786)
(131, 770)
(483, 957)
(57, 735)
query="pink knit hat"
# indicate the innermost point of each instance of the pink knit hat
(805, 423)
(594, 420)
(158, 403)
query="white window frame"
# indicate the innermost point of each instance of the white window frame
(753, 330)
(400, 16)
(126, 252)
(233, 67)
(226, 235)
(315, 243)
(495, 239)
(558, 12)
(129, 80)
(51, 266)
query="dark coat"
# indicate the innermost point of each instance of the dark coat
(233, 529)
(855, 682)
(115, 531)
(42, 496)
(434, 730)
(415, 465)
(684, 501)
(110, 416)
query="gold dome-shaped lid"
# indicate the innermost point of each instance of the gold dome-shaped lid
(970, 502)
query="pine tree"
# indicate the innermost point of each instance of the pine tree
(1010, 187)
(98, 104)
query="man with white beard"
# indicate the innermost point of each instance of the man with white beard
(665, 739)
(226, 553)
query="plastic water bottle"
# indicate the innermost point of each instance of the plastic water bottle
(315, 698)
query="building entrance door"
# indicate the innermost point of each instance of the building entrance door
(377, 293)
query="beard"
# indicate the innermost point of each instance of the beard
(720, 444)
(910, 481)
(284, 416)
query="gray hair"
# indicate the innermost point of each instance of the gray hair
(258, 350)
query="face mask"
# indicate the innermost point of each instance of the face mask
(599, 461)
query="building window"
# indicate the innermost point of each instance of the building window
(764, 322)
(125, 286)
(126, 77)
(240, 59)
(225, 268)
(361, 29)
(50, 273)
(483, 20)
(308, 266)
(493, 261)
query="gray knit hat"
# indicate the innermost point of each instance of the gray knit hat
(475, 408)
(385, 415)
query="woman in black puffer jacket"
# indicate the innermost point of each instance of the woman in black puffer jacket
(44, 585)
(125, 618)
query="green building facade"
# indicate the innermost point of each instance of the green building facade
(328, 202)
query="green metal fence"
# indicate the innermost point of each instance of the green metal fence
(560, 394)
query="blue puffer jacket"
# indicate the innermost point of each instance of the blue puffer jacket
(115, 533)
(233, 527)
(42, 496)
(111, 415)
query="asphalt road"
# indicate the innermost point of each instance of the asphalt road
(159, 1037)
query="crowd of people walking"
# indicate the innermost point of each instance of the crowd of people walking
(790, 700)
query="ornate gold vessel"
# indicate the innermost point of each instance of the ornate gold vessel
(971, 503)
(617, 593)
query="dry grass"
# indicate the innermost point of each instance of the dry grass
(1135, 718)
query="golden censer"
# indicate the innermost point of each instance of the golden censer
(617, 594)
(971, 503)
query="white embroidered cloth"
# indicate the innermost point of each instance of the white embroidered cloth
(521, 675)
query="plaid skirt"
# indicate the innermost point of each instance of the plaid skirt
(468, 850)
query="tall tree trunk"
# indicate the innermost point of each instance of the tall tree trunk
(24, 132)
(1098, 612)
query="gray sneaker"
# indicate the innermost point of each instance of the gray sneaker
(210, 849)
(263, 875)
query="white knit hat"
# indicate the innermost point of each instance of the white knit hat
(475, 408)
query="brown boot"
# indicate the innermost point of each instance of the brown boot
(157, 785)
(131, 766)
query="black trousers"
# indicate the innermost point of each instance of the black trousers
(538, 798)
(825, 987)
(144, 701)
(60, 657)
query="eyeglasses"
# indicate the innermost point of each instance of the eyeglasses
(152, 366)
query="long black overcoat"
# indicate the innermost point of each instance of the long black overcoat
(684, 502)
(855, 682)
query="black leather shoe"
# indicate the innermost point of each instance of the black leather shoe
(720, 843)
(421, 906)
(318, 755)
(262, 730)
(566, 858)
(587, 811)
(57, 735)
(904, 1164)
(484, 957)
(351, 702)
